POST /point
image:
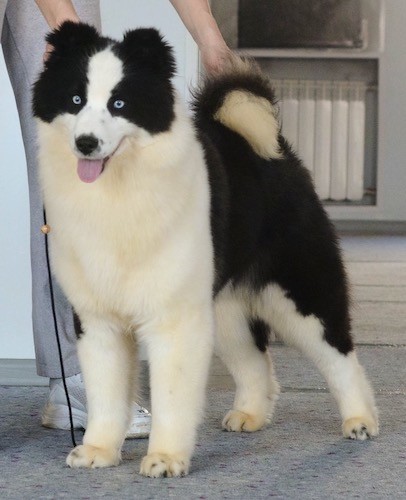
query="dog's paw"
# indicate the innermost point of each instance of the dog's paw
(238, 421)
(360, 428)
(92, 457)
(162, 465)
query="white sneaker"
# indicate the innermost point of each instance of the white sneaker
(56, 411)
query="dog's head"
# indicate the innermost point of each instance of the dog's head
(104, 92)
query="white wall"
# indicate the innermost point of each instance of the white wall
(15, 274)
(120, 15)
(15, 279)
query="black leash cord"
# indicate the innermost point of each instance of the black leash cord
(58, 341)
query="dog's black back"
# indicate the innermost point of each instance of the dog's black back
(268, 224)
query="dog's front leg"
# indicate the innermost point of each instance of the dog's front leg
(106, 357)
(179, 353)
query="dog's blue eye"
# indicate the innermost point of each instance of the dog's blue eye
(118, 104)
(76, 99)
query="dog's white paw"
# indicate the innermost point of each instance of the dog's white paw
(92, 457)
(238, 421)
(162, 465)
(360, 428)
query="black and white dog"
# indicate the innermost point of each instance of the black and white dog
(183, 234)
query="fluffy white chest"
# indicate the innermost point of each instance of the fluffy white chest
(136, 235)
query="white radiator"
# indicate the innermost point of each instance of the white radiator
(325, 123)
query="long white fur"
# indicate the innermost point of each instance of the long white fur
(257, 389)
(148, 268)
(148, 265)
(256, 386)
(345, 376)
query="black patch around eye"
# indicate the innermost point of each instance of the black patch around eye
(54, 90)
(64, 75)
(115, 109)
(73, 107)
(148, 101)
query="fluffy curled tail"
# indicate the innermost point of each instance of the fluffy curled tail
(242, 99)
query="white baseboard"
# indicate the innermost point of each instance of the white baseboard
(20, 372)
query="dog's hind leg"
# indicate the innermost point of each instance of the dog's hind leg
(107, 359)
(345, 376)
(241, 343)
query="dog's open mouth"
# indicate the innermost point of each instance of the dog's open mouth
(90, 170)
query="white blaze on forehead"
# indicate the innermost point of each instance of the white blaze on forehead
(105, 72)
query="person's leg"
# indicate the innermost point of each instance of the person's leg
(23, 47)
(3, 5)
(23, 44)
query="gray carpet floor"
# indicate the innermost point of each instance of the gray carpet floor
(301, 455)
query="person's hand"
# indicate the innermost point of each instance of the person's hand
(48, 47)
(215, 58)
(198, 19)
(56, 12)
(48, 50)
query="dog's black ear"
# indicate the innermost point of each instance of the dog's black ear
(71, 36)
(146, 47)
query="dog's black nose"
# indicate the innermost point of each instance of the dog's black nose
(86, 144)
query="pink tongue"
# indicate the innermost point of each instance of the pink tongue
(89, 170)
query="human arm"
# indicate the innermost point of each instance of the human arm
(56, 12)
(199, 21)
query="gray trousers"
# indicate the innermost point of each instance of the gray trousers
(22, 37)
